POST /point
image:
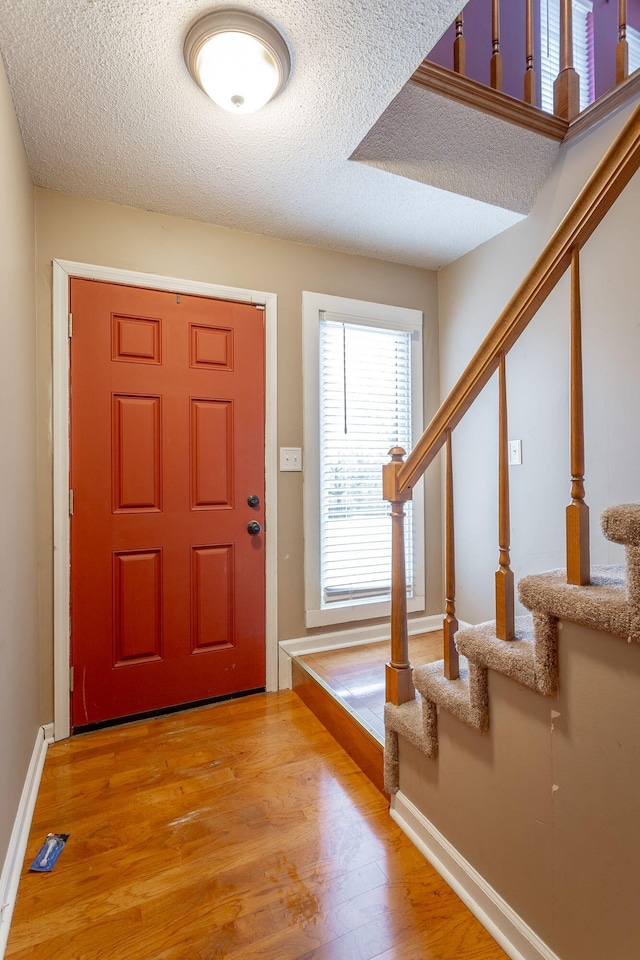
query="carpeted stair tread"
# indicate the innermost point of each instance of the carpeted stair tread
(417, 722)
(609, 603)
(531, 659)
(602, 604)
(466, 698)
(621, 524)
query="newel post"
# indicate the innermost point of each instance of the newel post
(566, 88)
(399, 680)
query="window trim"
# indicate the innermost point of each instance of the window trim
(364, 313)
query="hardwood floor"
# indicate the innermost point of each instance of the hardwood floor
(342, 723)
(237, 830)
(357, 673)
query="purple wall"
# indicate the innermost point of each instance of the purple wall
(477, 31)
(605, 34)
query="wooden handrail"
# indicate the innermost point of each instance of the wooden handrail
(567, 84)
(597, 197)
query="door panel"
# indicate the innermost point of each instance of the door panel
(211, 454)
(137, 465)
(167, 442)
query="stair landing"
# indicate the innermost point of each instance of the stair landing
(345, 689)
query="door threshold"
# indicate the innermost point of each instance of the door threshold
(163, 711)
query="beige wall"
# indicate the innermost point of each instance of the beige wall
(472, 292)
(546, 809)
(18, 532)
(72, 228)
(548, 816)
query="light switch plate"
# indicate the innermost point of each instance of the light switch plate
(515, 453)
(290, 458)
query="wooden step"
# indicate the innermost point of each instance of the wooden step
(361, 740)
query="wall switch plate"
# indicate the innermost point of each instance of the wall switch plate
(290, 458)
(515, 453)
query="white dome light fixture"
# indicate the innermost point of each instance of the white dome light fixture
(238, 59)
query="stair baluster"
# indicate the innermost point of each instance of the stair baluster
(617, 168)
(505, 617)
(450, 622)
(459, 47)
(578, 562)
(398, 673)
(622, 49)
(530, 89)
(496, 56)
(566, 88)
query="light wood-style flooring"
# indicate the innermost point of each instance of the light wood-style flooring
(356, 674)
(238, 830)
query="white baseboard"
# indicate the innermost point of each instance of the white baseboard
(355, 637)
(515, 937)
(19, 836)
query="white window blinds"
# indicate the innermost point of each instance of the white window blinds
(550, 49)
(633, 39)
(365, 408)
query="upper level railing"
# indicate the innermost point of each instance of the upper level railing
(566, 90)
(399, 477)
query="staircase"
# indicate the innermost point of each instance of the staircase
(524, 795)
(610, 603)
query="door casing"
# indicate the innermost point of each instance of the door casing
(63, 270)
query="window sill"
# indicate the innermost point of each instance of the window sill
(351, 612)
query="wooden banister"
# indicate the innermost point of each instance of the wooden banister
(566, 87)
(399, 675)
(597, 197)
(459, 47)
(496, 56)
(450, 623)
(530, 86)
(622, 48)
(578, 563)
(505, 590)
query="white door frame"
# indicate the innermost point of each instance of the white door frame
(63, 270)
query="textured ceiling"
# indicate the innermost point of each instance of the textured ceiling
(108, 110)
(430, 138)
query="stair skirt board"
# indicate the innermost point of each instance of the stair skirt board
(507, 928)
(14, 859)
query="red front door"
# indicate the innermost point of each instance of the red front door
(167, 445)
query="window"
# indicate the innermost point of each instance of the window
(363, 395)
(633, 39)
(582, 50)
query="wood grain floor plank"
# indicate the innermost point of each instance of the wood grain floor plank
(357, 673)
(241, 831)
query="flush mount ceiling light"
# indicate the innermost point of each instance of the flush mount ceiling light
(238, 58)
